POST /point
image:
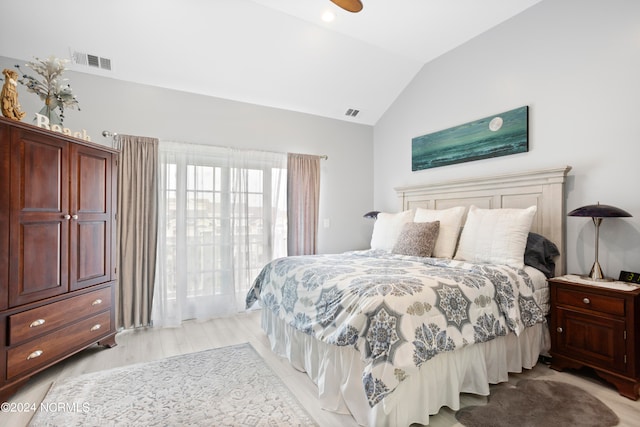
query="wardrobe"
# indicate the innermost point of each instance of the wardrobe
(57, 249)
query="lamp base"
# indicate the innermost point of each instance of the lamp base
(596, 274)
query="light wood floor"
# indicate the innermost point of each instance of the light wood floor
(143, 345)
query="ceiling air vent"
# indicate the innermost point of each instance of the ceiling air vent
(352, 112)
(89, 60)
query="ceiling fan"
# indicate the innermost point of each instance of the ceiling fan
(349, 5)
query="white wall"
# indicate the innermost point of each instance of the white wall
(127, 108)
(576, 64)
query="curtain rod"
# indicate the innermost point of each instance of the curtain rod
(108, 134)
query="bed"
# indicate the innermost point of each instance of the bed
(442, 304)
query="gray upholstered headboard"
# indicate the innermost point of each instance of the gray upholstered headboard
(543, 188)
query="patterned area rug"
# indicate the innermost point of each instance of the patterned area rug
(230, 386)
(533, 403)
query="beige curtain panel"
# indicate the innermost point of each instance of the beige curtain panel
(303, 199)
(137, 229)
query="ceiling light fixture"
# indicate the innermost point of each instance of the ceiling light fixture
(328, 16)
(349, 5)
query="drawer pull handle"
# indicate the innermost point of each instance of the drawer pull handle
(35, 354)
(95, 327)
(97, 302)
(559, 330)
(586, 301)
(35, 323)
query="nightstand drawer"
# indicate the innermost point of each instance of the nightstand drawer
(590, 301)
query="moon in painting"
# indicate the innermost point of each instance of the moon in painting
(495, 124)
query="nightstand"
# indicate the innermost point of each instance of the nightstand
(597, 324)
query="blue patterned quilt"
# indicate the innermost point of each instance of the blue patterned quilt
(397, 311)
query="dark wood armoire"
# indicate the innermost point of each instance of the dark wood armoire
(57, 249)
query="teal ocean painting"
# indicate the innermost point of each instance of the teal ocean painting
(493, 136)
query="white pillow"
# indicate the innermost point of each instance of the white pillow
(496, 236)
(387, 228)
(450, 223)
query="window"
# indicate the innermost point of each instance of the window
(222, 218)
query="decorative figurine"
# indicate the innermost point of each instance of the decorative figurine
(10, 107)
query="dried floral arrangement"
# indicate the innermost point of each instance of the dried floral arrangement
(54, 90)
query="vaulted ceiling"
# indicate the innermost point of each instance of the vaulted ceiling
(277, 53)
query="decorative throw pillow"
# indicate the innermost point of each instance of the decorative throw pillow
(496, 236)
(417, 239)
(387, 228)
(450, 223)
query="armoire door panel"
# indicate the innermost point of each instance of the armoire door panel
(39, 259)
(91, 256)
(44, 242)
(42, 263)
(39, 219)
(91, 235)
(92, 183)
(41, 173)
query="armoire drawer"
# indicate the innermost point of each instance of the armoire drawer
(29, 324)
(41, 351)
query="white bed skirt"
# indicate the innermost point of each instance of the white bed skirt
(337, 372)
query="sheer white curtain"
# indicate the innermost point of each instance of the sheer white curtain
(222, 217)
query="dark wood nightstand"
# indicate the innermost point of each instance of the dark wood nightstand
(597, 324)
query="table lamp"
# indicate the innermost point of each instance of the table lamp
(597, 212)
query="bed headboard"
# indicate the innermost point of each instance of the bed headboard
(543, 188)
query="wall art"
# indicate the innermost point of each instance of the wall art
(493, 136)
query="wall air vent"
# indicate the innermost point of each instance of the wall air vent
(352, 112)
(89, 60)
(105, 64)
(79, 58)
(94, 61)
